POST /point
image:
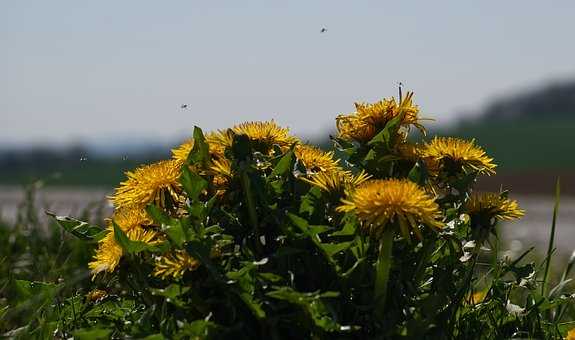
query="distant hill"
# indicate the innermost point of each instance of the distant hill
(555, 101)
(531, 136)
(529, 131)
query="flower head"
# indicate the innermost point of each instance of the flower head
(408, 151)
(314, 159)
(379, 202)
(492, 205)
(174, 265)
(336, 182)
(154, 183)
(180, 153)
(571, 334)
(369, 119)
(133, 223)
(458, 153)
(265, 133)
(219, 141)
(221, 169)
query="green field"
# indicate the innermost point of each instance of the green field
(526, 143)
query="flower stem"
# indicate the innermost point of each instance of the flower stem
(383, 267)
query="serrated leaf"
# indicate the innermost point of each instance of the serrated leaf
(285, 164)
(134, 247)
(200, 152)
(312, 304)
(31, 289)
(80, 229)
(333, 248)
(192, 183)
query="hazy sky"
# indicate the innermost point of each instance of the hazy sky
(98, 70)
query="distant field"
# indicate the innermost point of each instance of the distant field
(525, 144)
(104, 173)
(530, 154)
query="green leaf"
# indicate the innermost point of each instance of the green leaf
(200, 152)
(312, 304)
(171, 226)
(348, 228)
(134, 247)
(192, 183)
(198, 329)
(284, 165)
(80, 229)
(154, 337)
(175, 233)
(35, 289)
(158, 215)
(299, 222)
(310, 201)
(172, 293)
(333, 248)
(418, 174)
(92, 333)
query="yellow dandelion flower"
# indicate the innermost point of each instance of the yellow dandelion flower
(492, 205)
(408, 151)
(458, 153)
(369, 119)
(174, 265)
(351, 127)
(154, 183)
(180, 154)
(221, 169)
(107, 255)
(131, 218)
(336, 182)
(109, 252)
(378, 202)
(219, 141)
(265, 134)
(314, 159)
(571, 334)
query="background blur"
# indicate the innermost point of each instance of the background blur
(91, 89)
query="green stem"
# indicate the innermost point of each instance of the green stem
(250, 201)
(383, 268)
(551, 239)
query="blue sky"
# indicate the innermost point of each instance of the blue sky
(103, 70)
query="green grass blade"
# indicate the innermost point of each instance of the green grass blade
(551, 238)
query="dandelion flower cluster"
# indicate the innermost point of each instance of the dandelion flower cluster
(336, 182)
(379, 202)
(109, 252)
(265, 134)
(174, 265)
(149, 184)
(369, 119)
(458, 153)
(315, 160)
(493, 205)
(180, 154)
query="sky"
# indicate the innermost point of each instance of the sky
(101, 71)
